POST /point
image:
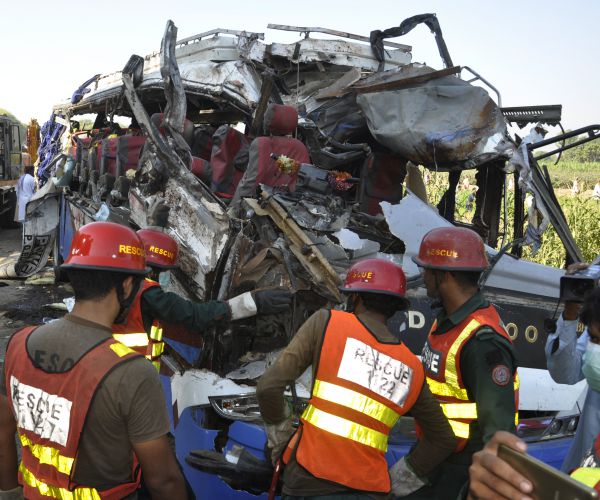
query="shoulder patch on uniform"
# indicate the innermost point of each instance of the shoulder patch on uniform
(501, 375)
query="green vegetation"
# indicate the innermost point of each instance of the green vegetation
(581, 209)
(567, 171)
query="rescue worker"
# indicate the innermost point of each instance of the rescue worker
(143, 330)
(468, 357)
(88, 410)
(364, 379)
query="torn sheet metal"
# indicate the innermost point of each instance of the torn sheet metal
(338, 52)
(441, 123)
(253, 370)
(39, 233)
(411, 219)
(360, 247)
(226, 67)
(301, 245)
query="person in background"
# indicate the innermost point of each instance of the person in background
(89, 412)
(364, 380)
(571, 359)
(468, 357)
(25, 190)
(152, 305)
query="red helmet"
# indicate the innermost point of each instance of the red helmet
(375, 276)
(452, 249)
(161, 249)
(106, 246)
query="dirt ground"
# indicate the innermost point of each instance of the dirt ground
(23, 304)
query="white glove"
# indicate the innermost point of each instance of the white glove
(242, 306)
(278, 436)
(404, 480)
(14, 494)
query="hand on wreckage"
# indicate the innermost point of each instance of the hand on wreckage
(263, 301)
(273, 301)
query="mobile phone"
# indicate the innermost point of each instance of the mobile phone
(548, 482)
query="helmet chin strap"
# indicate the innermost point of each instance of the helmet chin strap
(351, 303)
(125, 302)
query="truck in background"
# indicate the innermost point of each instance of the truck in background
(10, 168)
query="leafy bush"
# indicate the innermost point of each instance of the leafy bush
(581, 211)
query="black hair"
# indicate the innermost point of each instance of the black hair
(467, 279)
(89, 284)
(387, 305)
(28, 169)
(590, 312)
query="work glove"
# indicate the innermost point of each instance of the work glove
(404, 480)
(272, 301)
(14, 494)
(278, 436)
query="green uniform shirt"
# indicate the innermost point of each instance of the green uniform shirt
(485, 351)
(170, 307)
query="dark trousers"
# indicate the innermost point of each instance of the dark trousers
(445, 485)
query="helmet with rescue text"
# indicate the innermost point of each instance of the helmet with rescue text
(106, 246)
(452, 249)
(161, 249)
(377, 276)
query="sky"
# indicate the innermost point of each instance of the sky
(535, 52)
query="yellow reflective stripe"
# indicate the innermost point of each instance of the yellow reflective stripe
(355, 401)
(156, 333)
(120, 349)
(55, 491)
(157, 349)
(451, 375)
(442, 389)
(48, 455)
(460, 429)
(517, 381)
(345, 428)
(589, 476)
(132, 339)
(156, 365)
(459, 410)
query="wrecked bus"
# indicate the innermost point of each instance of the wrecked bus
(280, 164)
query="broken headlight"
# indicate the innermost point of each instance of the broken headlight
(544, 428)
(244, 407)
(237, 407)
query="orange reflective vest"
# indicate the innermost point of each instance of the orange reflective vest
(361, 388)
(50, 411)
(441, 359)
(132, 332)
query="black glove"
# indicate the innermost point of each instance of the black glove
(272, 301)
